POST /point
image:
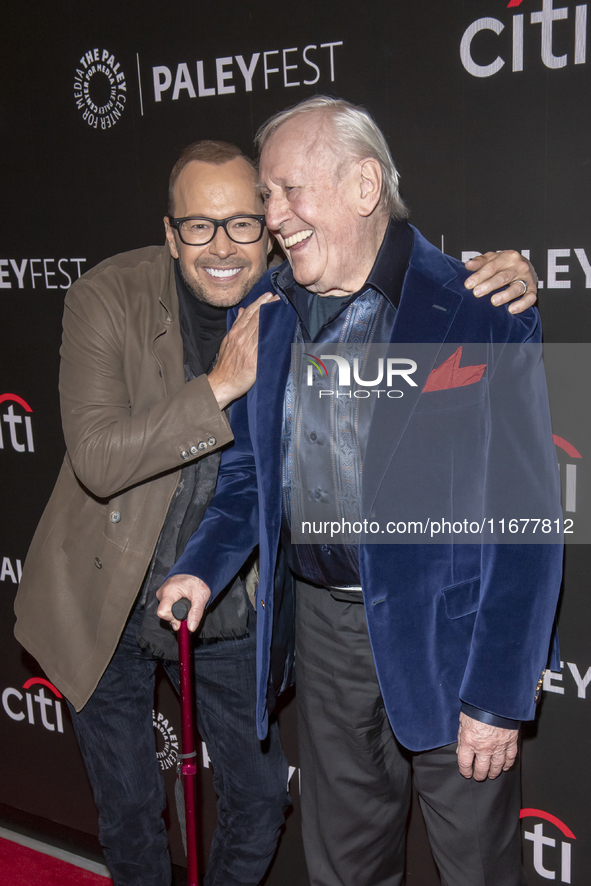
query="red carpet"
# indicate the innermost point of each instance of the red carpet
(21, 866)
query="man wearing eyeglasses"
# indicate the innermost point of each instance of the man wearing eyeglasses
(143, 405)
(143, 402)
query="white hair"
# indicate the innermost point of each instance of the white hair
(356, 135)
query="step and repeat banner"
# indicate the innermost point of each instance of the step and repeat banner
(485, 104)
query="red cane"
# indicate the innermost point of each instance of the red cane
(180, 610)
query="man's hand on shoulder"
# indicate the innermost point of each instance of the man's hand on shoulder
(494, 270)
(183, 586)
(236, 368)
(484, 751)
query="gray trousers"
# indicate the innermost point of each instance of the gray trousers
(356, 777)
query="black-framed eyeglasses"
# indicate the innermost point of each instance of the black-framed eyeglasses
(194, 230)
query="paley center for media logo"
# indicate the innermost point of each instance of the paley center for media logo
(100, 88)
(16, 429)
(167, 743)
(568, 21)
(167, 747)
(551, 855)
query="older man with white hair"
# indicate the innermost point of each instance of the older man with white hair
(410, 659)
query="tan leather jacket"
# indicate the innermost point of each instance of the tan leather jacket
(130, 422)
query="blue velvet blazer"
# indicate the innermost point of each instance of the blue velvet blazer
(447, 623)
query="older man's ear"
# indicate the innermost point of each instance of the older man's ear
(370, 185)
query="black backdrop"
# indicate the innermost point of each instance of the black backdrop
(485, 104)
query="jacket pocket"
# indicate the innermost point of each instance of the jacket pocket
(462, 599)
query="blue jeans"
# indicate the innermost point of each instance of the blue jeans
(117, 741)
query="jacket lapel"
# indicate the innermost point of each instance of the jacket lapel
(426, 312)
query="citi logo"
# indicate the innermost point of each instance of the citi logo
(571, 24)
(21, 706)
(18, 429)
(547, 850)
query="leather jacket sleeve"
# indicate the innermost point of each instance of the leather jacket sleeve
(127, 414)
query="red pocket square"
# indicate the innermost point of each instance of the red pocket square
(451, 375)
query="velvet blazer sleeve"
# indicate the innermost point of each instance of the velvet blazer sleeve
(462, 623)
(519, 583)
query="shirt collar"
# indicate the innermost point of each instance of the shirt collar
(389, 268)
(386, 275)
